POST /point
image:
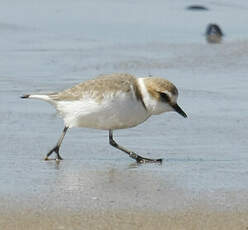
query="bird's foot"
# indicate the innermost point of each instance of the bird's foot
(142, 160)
(56, 150)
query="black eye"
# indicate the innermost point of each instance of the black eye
(164, 97)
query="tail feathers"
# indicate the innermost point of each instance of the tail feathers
(41, 97)
(25, 96)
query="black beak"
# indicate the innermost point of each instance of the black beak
(177, 108)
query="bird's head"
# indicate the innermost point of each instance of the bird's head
(161, 96)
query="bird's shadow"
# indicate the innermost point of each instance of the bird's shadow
(56, 163)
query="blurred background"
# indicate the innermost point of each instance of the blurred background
(48, 46)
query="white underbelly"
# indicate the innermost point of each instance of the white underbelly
(119, 112)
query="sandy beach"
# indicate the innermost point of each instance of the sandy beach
(199, 218)
(116, 197)
(203, 181)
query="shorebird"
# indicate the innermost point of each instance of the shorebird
(110, 102)
(213, 33)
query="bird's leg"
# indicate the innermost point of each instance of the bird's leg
(138, 158)
(57, 146)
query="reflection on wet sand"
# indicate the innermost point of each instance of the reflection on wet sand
(203, 181)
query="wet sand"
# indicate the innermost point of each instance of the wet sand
(198, 218)
(116, 197)
(203, 181)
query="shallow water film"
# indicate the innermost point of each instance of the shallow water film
(202, 183)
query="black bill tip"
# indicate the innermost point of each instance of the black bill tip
(178, 109)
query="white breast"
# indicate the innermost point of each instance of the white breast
(114, 111)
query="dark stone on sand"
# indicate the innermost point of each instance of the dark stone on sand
(213, 33)
(197, 7)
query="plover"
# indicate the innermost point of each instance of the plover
(213, 33)
(110, 102)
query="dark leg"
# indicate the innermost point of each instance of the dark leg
(133, 155)
(57, 146)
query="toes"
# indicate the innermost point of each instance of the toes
(141, 160)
